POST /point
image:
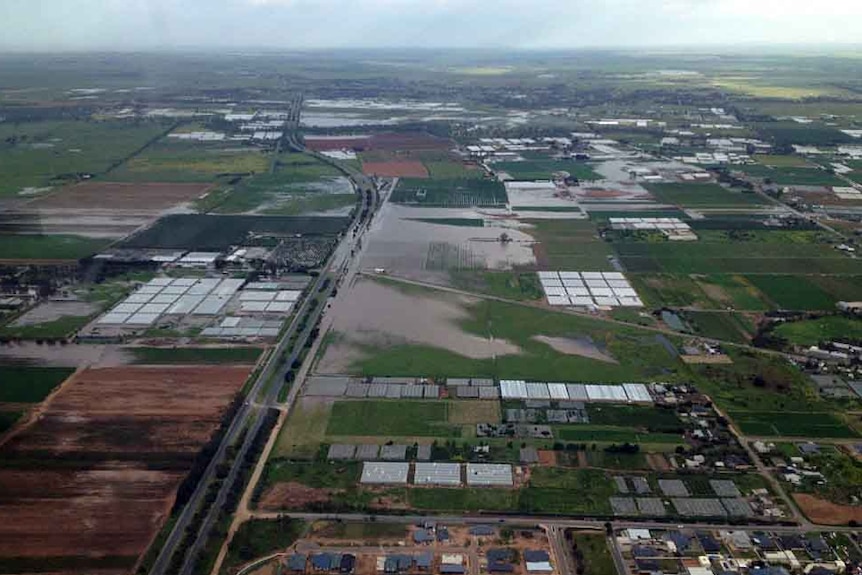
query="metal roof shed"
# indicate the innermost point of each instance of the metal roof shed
(437, 474)
(385, 472)
(490, 474)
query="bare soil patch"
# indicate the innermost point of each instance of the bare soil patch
(582, 347)
(396, 169)
(825, 512)
(715, 359)
(472, 412)
(547, 457)
(121, 196)
(657, 462)
(292, 495)
(120, 441)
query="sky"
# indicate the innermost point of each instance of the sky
(50, 25)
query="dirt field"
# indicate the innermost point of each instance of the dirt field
(54, 310)
(416, 141)
(706, 359)
(398, 169)
(292, 495)
(121, 196)
(327, 143)
(547, 457)
(826, 513)
(473, 412)
(121, 440)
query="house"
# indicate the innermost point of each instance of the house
(446, 569)
(647, 566)
(709, 543)
(483, 531)
(442, 534)
(325, 561)
(536, 556)
(423, 561)
(347, 563)
(809, 448)
(422, 536)
(296, 563)
(680, 541)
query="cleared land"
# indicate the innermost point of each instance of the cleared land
(813, 331)
(170, 162)
(144, 196)
(37, 248)
(98, 471)
(395, 169)
(543, 169)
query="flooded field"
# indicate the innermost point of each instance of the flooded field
(409, 242)
(583, 347)
(373, 314)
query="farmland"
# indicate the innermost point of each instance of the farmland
(814, 331)
(170, 162)
(701, 196)
(450, 193)
(204, 232)
(137, 412)
(397, 418)
(195, 355)
(54, 247)
(29, 384)
(570, 244)
(791, 424)
(121, 196)
(41, 154)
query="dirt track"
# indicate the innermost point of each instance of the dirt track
(119, 440)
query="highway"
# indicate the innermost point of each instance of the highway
(251, 416)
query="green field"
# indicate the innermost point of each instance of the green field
(813, 331)
(260, 537)
(194, 355)
(334, 475)
(463, 499)
(731, 327)
(39, 154)
(788, 176)
(702, 196)
(57, 329)
(781, 161)
(542, 169)
(792, 424)
(705, 292)
(735, 251)
(510, 285)
(8, 419)
(54, 247)
(591, 554)
(793, 292)
(636, 416)
(567, 491)
(570, 245)
(450, 193)
(179, 162)
(610, 460)
(391, 418)
(25, 384)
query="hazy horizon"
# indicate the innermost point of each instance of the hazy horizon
(552, 25)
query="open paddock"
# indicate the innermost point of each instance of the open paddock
(144, 196)
(94, 478)
(395, 169)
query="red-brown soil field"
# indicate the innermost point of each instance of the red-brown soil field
(121, 196)
(397, 169)
(87, 485)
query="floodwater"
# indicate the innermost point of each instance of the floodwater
(377, 315)
(584, 347)
(428, 251)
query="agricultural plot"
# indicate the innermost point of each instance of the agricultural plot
(702, 196)
(725, 326)
(789, 133)
(41, 154)
(157, 419)
(299, 184)
(48, 248)
(794, 176)
(814, 331)
(543, 169)
(195, 355)
(95, 196)
(570, 244)
(774, 252)
(798, 292)
(173, 162)
(390, 418)
(395, 169)
(217, 233)
(792, 424)
(26, 384)
(460, 193)
(452, 170)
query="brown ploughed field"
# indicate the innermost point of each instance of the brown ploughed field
(153, 197)
(825, 512)
(396, 169)
(88, 485)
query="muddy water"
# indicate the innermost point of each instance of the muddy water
(374, 314)
(412, 249)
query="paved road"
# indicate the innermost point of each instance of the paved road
(250, 415)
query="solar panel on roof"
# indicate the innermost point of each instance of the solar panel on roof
(138, 298)
(288, 295)
(149, 289)
(551, 283)
(184, 282)
(185, 304)
(127, 307)
(175, 290)
(558, 391)
(570, 275)
(247, 295)
(558, 300)
(211, 305)
(114, 318)
(279, 306)
(156, 308)
(159, 282)
(165, 298)
(538, 391)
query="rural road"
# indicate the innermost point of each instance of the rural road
(250, 417)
